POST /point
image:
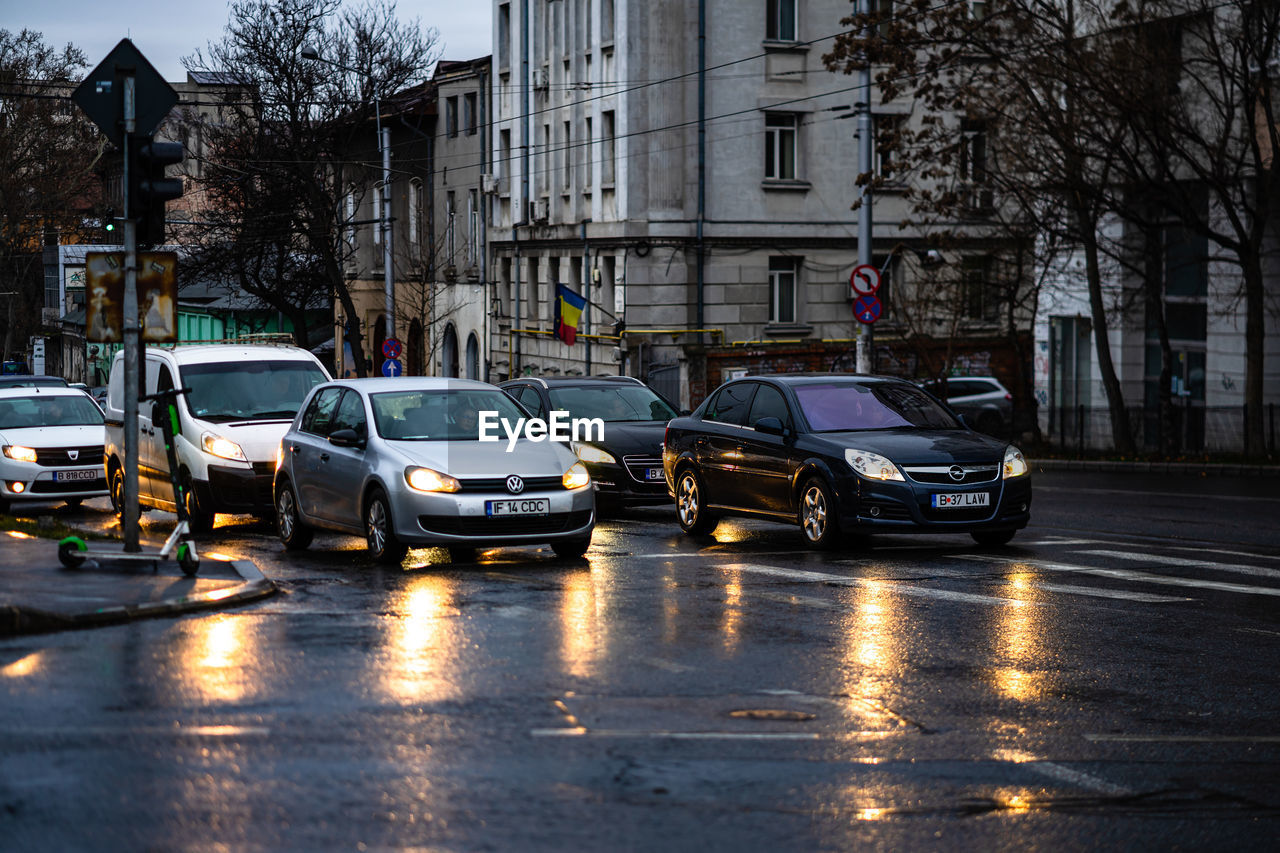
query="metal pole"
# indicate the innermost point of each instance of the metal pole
(384, 143)
(129, 516)
(865, 355)
(586, 290)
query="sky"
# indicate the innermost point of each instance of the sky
(167, 30)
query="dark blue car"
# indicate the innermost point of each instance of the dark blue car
(840, 454)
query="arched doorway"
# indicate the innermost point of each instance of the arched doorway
(415, 363)
(473, 356)
(449, 352)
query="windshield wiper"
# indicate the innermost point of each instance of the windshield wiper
(278, 413)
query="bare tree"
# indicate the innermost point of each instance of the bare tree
(47, 155)
(282, 178)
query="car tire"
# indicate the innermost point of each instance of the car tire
(992, 538)
(379, 531)
(116, 490)
(461, 553)
(691, 507)
(571, 549)
(293, 532)
(4, 507)
(817, 516)
(200, 519)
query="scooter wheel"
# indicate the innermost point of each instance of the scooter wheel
(71, 552)
(187, 560)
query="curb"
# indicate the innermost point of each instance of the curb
(1218, 469)
(15, 619)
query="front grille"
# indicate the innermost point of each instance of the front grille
(499, 484)
(49, 487)
(940, 474)
(516, 526)
(638, 465)
(89, 456)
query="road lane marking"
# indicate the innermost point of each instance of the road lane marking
(1127, 574)
(1108, 738)
(150, 731)
(1076, 777)
(669, 666)
(902, 589)
(640, 733)
(1184, 562)
(1145, 597)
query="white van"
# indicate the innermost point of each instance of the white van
(243, 398)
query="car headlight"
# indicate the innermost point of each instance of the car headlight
(221, 447)
(873, 466)
(20, 453)
(576, 477)
(591, 453)
(1014, 463)
(427, 480)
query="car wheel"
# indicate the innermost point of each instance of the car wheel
(571, 549)
(117, 490)
(200, 519)
(817, 515)
(292, 531)
(993, 537)
(380, 535)
(691, 508)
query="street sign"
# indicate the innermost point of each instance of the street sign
(391, 348)
(867, 309)
(101, 94)
(865, 279)
(391, 367)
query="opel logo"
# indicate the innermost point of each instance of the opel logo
(73, 455)
(956, 472)
(515, 485)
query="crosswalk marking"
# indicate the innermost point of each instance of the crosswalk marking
(1127, 574)
(901, 589)
(1185, 562)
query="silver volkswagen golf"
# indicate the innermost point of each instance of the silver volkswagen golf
(400, 462)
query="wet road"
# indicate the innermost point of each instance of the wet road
(1112, 678)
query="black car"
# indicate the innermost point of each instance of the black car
(842, 454)
(626, 463)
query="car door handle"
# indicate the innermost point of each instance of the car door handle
(324, 457)
(293, 448)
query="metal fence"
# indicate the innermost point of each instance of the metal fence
(1189, 428)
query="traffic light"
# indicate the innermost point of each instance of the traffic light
(149, 189)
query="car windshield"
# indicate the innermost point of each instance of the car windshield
(46, 411)
(838, 406)
(611, 402)
(260, 390)
(439, 414)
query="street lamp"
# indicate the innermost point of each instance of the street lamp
(384, 214)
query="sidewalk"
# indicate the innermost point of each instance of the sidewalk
(38, 594)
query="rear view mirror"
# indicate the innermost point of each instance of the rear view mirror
(345, 438)
(770, 426)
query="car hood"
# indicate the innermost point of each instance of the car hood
(643, 438)
(465, 459)
(58, 436)
(923, 446)
(258, 439)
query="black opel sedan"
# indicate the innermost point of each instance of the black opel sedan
(842, 454)
(626, 462)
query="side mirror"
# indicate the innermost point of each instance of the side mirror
(158, 411)
(770, 426)
(964, 422)
(684, 413)
(346, 438)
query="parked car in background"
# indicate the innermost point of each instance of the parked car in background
(626, 462)
(243, 397)
(400, 462)
(17, 380)
(841, 454)
(50, 446)
(985, 403)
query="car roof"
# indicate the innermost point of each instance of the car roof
(562, 381)
(817, 378)
(380, 384)
(11, 391)
(216, 353)
(12, 380)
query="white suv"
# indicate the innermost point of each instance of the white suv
(243, 397)
(985, 403)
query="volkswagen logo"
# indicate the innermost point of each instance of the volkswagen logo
(515, 485)
(73, 455)
(956, 472)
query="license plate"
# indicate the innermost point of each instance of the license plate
(85, 474)
(653, 474)
(528, 506)
(960, 500)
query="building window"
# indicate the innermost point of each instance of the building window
(503, 166)
(885, 8)
(977, 9)
(469, 113)
(566, 158)
(415, 219)
(784, 273)
(451, 116)
(606, 21)
(780, 146)
(450, 207)
(543, 168)
(980, 298)
(887, 129)
(608, 145)
(780, 24)
(377, 214)
(473, 228)
(588, 155)
(504, 35)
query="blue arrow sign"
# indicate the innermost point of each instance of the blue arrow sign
(866, 309)
(392, 367)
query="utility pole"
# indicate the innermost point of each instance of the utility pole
(863, 347)
(132, 336)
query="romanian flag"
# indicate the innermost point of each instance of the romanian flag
(569, 307)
